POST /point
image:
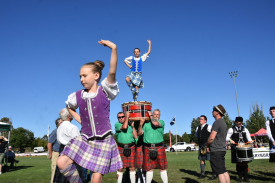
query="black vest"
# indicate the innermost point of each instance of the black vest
(236, 134)
(203, 134)
(272, 128)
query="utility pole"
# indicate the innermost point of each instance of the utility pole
(234, 75)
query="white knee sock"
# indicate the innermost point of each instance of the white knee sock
(119, 177)
(133, 176)
(164, 177)
(149, 176)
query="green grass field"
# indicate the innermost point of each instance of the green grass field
(183, 167)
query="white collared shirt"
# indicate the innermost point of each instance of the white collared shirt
(230, 133)
(66, 131)
(268, 131)
(111, 91)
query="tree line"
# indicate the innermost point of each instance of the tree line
(21, 138)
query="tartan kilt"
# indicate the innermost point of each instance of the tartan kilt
(139, 156)
(101, 156)
(159, 163)
(136, 79)
(128, 162)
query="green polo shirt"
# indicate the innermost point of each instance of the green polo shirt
(153, 135)
(124, 136)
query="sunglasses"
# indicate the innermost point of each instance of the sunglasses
(121, 117)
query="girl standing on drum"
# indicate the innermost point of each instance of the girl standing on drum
(96, 148)
(239, 134)
(134, 80)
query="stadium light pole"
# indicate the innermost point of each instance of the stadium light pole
(234, 75)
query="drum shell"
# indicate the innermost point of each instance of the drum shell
(244, 154)
(137, 110)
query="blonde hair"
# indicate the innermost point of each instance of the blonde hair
(96, 66)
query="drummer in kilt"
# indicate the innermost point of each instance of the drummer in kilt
(202, 133)
(154, 156)
(126, 135)
(238, 133)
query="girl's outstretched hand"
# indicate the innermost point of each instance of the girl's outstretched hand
(108, 44)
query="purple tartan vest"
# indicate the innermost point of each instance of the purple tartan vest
(94, 114)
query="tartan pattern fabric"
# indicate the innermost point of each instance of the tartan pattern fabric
(128, 162)
(159, 163)
(71, 174)
(101, 156)
(139, 157)
(136, 79)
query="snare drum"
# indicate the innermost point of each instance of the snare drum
(137, 110)
(244, 153)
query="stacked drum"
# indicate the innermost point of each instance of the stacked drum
(137, 110)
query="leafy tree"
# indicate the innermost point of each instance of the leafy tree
(194, 124)
(228, 121)
(166, 139)
(22, 138)
(41, 142)
(256, 119)
(186, 137)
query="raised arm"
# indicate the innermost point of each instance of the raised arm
(140, 130)
(149, 48)
(134, 130)
(113, 61)
(125, 124)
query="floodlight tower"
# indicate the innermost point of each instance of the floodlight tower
(234, 75)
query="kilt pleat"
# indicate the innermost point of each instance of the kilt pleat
(159, 163)
(139, 157)
(136, 79)
(128, 162)
(101, 156)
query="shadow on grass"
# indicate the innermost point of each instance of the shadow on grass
(265, 173)
(17, 168)
(254, 177)
(190, 172)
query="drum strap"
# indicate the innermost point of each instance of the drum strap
(142, 109)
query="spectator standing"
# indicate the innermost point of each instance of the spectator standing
(217, 142)
(53, 147)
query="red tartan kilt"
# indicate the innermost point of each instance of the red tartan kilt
(159, 163)
(139, 157)
(128, 162)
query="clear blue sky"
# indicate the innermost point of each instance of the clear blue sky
(195, 44)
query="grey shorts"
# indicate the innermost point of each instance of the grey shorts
(1, 157)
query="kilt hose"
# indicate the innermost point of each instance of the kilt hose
(159, 163)
(128, 162)
(139, 156)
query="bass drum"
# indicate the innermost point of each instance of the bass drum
(137, 110)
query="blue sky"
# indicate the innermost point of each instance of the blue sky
(195, 44)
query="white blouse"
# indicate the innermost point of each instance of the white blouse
(111, 91)
(130, 59)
